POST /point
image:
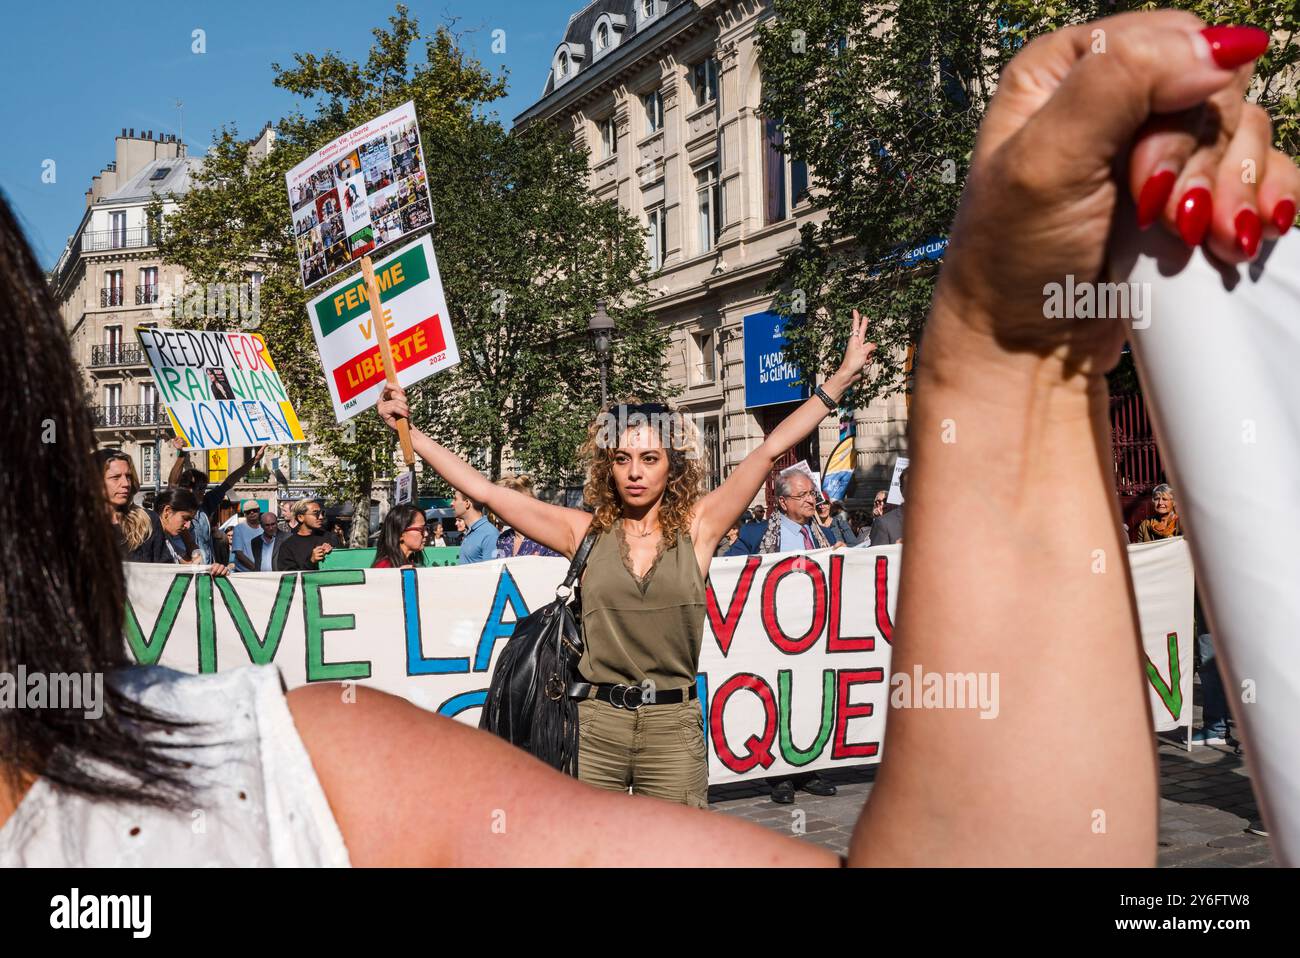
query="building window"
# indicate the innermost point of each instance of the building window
(708, 205)
(702, 358)
(148, 464)
(704, 80)
(111, 294)
(149, 398)
(113, 396)
(649, 9)
(711, 441)
(297, 462)
(563, 69)
(785, 179)
(656, 236)
(654, 111)
(602, 36)
(117, 229)
(608, 138)
(147, 289)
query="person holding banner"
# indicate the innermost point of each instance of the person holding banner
(643, 589)
(371, 779)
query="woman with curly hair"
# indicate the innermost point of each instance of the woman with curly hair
(643, 592)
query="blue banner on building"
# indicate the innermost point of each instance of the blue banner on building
(769, 377)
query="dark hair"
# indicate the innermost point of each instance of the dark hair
(192, 479)
(390, 537)
(62, 608)
(178, 500)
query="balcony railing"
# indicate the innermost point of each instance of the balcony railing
(116, 354)
(96, 240)
(111, 296)
(146, 294)
(146, 414)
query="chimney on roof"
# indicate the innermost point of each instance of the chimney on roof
(132, 132)
(124, 131)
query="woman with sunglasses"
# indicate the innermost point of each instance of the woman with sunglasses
(643, 589)
(401, 541)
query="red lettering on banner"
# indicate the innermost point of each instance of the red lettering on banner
(788, 645)
(412, 345)
(850, 643)
(883, 622)
(758, 750)
(845, 711)
(724, 627)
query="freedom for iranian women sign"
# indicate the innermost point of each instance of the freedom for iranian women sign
(794, 672)
(415, 317)
(221, 389)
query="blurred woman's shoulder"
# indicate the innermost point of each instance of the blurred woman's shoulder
(256, 799)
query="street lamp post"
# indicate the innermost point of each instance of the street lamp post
(601, 328)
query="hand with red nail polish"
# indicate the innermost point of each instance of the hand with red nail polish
(1194, 212)
(1283, 215)
(1249, 230)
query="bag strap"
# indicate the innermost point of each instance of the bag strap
(576, 566)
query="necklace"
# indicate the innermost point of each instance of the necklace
(640, 535)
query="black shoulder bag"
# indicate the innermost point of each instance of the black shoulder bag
(527, 701)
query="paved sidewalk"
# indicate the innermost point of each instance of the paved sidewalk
(1206, 803)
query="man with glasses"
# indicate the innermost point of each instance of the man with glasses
(794, 529)
(888, 529)
(307, 547)
(242, 536)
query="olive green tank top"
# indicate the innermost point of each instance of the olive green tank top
(639, 629)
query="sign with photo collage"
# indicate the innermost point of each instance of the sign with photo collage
(364, 190)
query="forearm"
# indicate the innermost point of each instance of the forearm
(1015, 570)
(458, 473)
(178, 467)
(796, 426)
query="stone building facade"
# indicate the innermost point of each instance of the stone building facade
(665, 96)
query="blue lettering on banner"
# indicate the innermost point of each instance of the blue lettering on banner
(494, 628)
(459, 703)
(416, 663)
(210, 423)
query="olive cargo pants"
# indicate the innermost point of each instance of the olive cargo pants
(655, 750)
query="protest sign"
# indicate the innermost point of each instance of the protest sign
(361, 191)
(415, 317)
(221, 389)
(895, 496)
(1230, 453)
(839, 469)
(794, 671)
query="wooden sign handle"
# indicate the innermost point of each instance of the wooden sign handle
(386, 352)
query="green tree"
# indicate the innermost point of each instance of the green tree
(523, 249)
(883, 101)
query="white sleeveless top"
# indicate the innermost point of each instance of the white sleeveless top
(257, 800)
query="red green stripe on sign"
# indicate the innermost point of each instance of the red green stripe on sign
(412, 345)
(394, 276)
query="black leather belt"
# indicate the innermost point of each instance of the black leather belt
(631, 696)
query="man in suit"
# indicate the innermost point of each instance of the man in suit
(267, 545)
(888, 529)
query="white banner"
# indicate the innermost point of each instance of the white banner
(1218, 351)
(794, 671)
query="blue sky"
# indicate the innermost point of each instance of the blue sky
(79, 71)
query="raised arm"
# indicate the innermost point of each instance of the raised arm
(553, 526)
(723, 506)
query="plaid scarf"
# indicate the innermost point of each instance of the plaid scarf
(772, 537)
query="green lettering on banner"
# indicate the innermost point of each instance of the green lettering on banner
(341, 308)
(261, 649)
(207, 624)
(149, 651)
(316, 623)
(789, 752)
(1171, 694)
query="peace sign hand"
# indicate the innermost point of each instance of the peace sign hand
(857, 354)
